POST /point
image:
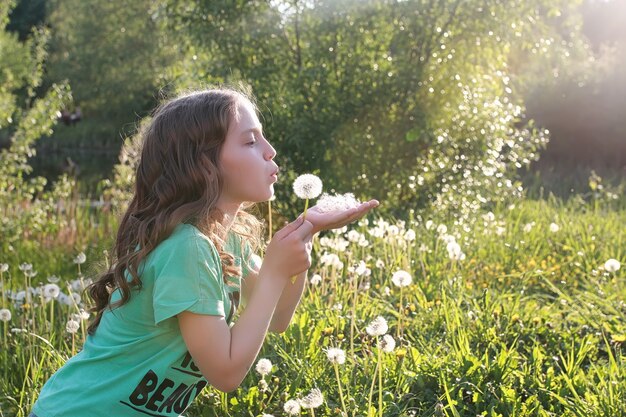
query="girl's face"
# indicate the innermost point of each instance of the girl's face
(246, 159)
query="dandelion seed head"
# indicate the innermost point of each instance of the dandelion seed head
(292, 407)
(313, 399)
(336, 355)
(554, 227)
(5, 314)
(315, 279)
(4, 267)
(51, 291)
(80, 258)
(401, 278)
(307, 186)
(53, 279)
(263, 366)
(377, 327)
(612, 265)
(388, 343)
(72, 326)
(341, 202)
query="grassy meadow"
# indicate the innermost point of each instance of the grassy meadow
(519, 311)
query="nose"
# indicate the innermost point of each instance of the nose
(270, 152)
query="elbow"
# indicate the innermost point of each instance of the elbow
(279, 327)
(226, 388)
(225, 380)
(226, 384)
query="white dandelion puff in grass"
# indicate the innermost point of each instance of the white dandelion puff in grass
(53, 279)
(80, 258)
(528, 227)
(315, 279)
(401, 278)
(388, 343)
(454, 251)
(554, 227)
(292, 407)
(307, 186)
(336, 355)
(5, 315)
(72, 326)
(377, 327)
(4, 267)
(341, 202)
(612, 265)
(263, 366)
(313, 399)
(51, 290)
(25, 267)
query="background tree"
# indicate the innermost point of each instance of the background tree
(24, 118)
(411, 102)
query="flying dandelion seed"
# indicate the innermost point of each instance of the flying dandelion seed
(377, 327)
(336, 355)
(263, 366)
(292, 407)
(401, 278)
(612, 265)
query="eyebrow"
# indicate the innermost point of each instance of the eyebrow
(257, 128)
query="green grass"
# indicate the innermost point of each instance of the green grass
(528, 324)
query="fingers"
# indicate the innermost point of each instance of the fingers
(289, 228)
(304, 232)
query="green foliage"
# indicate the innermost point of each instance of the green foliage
(114, 56)
(27, 209)
(409, 102)
(529, 323)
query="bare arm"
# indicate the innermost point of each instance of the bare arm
(287, 304)
(225, 354)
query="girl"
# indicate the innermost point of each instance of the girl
(162, 330)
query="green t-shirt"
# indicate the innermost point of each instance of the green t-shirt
(137, 363)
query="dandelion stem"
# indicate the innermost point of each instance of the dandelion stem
(369, 399)
(380, 379)
(269, 217)
(306, 206)
(400, 317)
(343, 404)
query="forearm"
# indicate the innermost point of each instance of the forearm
(287, 304)
(248, 333)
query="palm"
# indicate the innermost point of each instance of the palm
(337, 218)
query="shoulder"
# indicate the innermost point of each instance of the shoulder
(186, 240)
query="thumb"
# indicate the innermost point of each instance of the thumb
(285, 231)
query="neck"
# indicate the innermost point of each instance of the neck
(230, 210)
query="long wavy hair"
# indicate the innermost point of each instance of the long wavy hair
(177, 181)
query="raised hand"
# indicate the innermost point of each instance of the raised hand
(336, 219)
